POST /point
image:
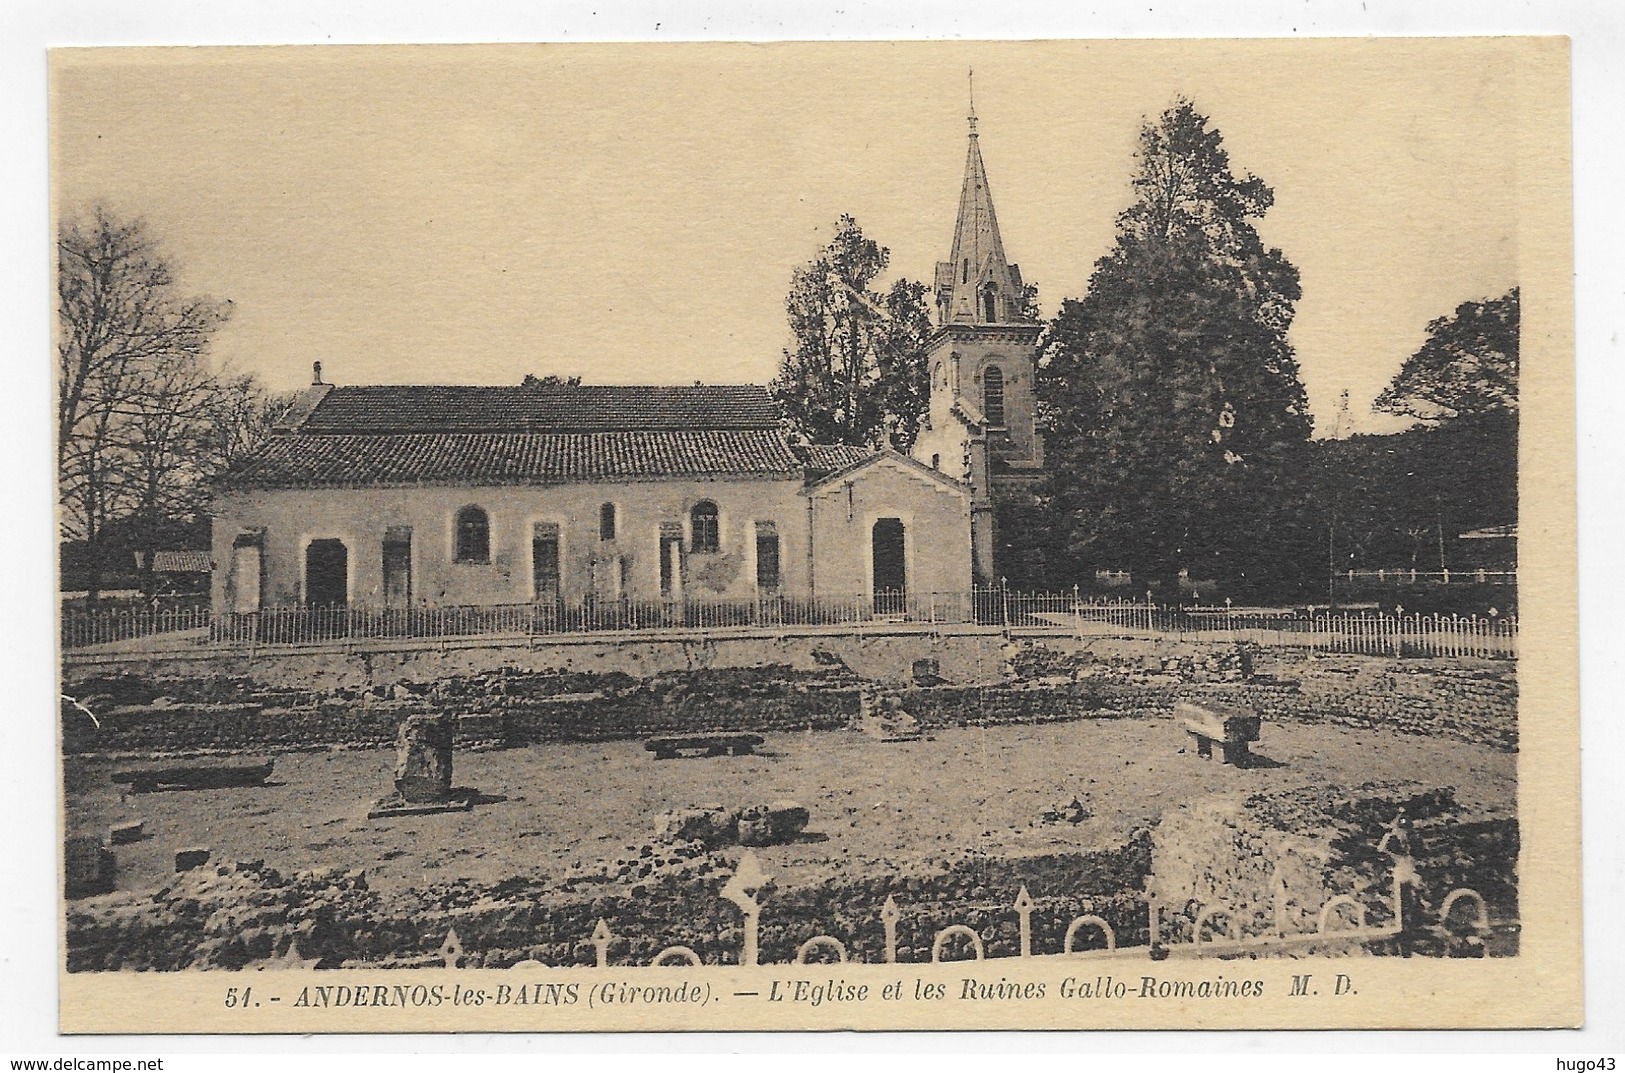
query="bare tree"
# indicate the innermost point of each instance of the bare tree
(241, 415)
(131, 372)
(164, 435)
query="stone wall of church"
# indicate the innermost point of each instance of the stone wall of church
(286, 521)
(943, 445)
(958, 365)
(936, 530)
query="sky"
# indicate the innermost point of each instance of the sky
(632, 213)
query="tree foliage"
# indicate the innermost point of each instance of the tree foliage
(143, 418)
(1468, 367)
(1177, 421)
(551, 380)
(1403, 499)
(856, 369)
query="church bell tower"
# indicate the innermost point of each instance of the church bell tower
(981, 423)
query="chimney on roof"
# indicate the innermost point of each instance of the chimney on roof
(315, 373)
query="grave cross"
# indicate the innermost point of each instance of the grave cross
(748, 879)
(1024, 907)
(601, 936)
(889, 916)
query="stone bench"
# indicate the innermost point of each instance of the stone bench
(195, 775)
(704, 745)
(1212, 723)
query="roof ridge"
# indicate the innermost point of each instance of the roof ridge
(708, 386)
(884, 454)
(498, 408)
(513, 457)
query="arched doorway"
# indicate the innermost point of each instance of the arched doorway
(327, 574)
(890, 574)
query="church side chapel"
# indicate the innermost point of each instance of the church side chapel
(396, 497)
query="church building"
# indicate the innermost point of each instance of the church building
(393, 497)
(981, 426)
(397, 497)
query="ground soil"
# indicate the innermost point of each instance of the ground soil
(873, 806)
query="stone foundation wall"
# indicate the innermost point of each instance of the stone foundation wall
(1312, 844)
(1319, 841)
(234, 915)
(368, 664)
(508, 709)
(517, 706)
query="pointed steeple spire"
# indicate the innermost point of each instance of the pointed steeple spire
(977, 285)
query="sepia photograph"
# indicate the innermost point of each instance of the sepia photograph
(824, 535)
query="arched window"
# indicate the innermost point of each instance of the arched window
(993, 396)
(990, 304)
(606, 522)
(473, 536)
(703, 535)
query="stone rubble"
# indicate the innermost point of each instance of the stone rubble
(1051, 681)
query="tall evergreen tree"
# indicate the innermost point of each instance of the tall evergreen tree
(1178, 427)
(857, 366)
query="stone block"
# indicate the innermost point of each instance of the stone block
(927, 672)
(122, 834)
(766, 825)
(202, 774)
(690, 745)
(711, 824)
(423, 751)
(88, 866)
(191, 857)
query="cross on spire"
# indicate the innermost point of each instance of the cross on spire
(970, 78)
(977, 284)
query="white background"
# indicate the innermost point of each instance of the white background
(28, 923)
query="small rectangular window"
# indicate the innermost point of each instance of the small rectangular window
(473, 536)
(671, 551)
(606, 522)
(767, 557)
(544, 560)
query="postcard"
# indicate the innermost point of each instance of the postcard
(882, 535)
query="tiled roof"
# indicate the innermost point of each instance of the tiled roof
(303, 460)
(822, 458)
(181, 562)
(584, 408)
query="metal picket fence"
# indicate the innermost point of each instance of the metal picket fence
(1369, 633)
(1386, 917)
(82, 628)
